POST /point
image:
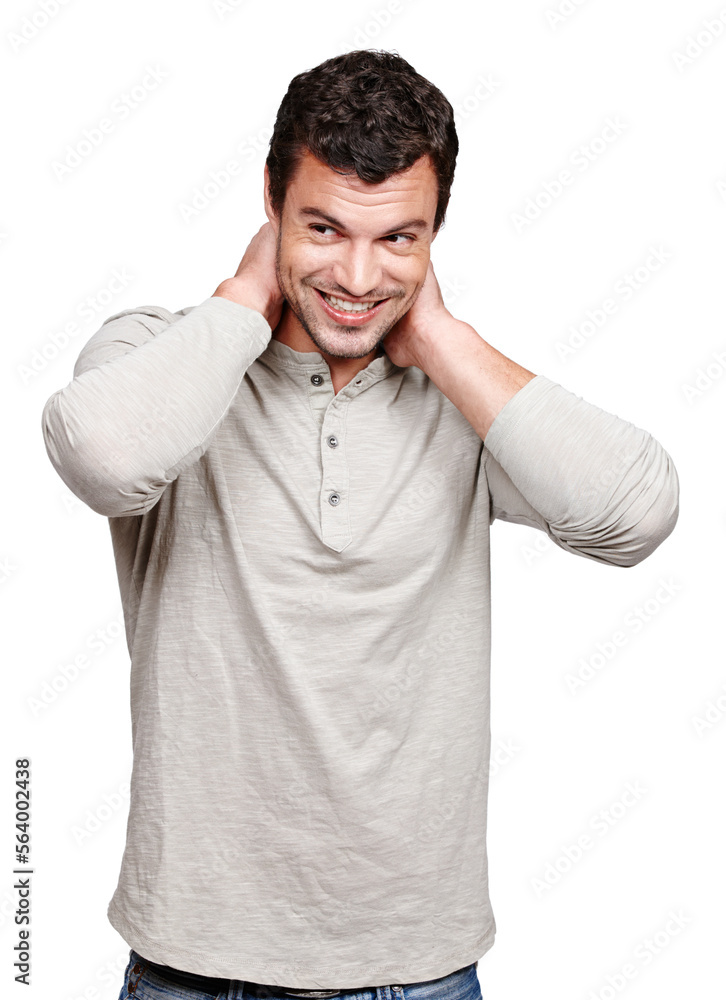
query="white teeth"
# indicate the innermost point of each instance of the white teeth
(345, 306)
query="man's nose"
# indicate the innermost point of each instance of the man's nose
(357, 269)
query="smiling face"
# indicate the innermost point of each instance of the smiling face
(351, 256)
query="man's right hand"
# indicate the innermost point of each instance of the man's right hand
(255, 282)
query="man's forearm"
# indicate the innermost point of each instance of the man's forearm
(477, 378)
(604, 488)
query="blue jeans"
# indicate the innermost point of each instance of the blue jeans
(144, 980)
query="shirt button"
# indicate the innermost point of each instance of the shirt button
(316, 379)
(333, 441)
(334, 499)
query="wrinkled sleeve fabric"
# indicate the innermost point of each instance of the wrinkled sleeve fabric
(149, 390)
(599, 486)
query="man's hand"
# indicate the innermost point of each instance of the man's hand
(255, 282)
(405, 342)
(478, 379)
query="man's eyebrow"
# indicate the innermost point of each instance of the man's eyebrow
(418, 224)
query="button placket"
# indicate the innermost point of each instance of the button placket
(320, 393)
(334, 514)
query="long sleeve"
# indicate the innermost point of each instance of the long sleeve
(598, 485)
(148, 392)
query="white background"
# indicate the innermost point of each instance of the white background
(530, 90)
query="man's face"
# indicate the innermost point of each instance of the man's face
(365, 244)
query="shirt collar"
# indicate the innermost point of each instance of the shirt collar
(278, 354)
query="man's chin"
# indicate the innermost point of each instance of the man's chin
(334, 340)
(346, 342)
(339, 351)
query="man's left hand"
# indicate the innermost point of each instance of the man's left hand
(405, 342)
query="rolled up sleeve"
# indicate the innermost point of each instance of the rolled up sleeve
(598, 485)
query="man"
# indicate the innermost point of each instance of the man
(300, 475)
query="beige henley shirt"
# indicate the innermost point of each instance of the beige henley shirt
(305, 584)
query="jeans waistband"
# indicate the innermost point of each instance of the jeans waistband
(262, 991)
(212, 984)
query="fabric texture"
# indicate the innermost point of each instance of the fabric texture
(306, 591)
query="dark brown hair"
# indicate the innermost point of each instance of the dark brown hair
(366, 111)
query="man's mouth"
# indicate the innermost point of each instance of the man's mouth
(348, 306)
(350, 313)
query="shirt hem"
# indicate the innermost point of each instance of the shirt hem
(295, 976)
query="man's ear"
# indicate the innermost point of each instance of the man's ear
(269, 212)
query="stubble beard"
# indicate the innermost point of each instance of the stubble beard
(305, 317)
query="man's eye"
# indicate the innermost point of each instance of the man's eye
(399, 236)
(319, 225)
